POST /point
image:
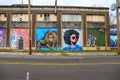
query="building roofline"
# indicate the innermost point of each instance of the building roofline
(41, 6)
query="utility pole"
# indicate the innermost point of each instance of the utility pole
(22, 2)
(117, 18)
(55, 6)
(29, 25)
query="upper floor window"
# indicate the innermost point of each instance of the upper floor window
(71, 17)
(46, 17)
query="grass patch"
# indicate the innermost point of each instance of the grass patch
(64, 54)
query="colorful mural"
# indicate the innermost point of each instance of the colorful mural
(113, 38)
(2, 37)
(95, 37)
(72, 39)
(46, 38)
(91, 40)
(16, 34)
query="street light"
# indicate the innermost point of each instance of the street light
(29, 25)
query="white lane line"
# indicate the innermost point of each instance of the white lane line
(27, 77)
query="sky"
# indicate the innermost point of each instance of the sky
(91, 3)
(86, 3)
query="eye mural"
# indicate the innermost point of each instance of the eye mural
(46, 39)
(72, 40)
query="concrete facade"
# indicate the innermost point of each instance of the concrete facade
(89, 22)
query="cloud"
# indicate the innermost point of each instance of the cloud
(98, 3)
(9, 2)
(40, 2)
(62, 2)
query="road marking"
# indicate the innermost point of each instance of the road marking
(27, 77)
(59, 64)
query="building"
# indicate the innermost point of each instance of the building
(52, 28)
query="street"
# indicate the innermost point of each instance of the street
(60, 68)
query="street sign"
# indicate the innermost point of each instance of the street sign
(113, 7)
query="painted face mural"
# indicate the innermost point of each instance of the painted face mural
(46, 38)
(71, 38)
(16, 34)
(2, 37)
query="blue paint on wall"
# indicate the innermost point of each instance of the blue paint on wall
(113, 38)
(40, 36)
(71, 38)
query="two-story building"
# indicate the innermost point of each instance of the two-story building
(61, 28)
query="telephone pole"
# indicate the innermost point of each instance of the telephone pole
(29, 25)
(117, 18)
(22, 2)
(55, 6)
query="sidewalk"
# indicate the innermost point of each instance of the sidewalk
(20, 53)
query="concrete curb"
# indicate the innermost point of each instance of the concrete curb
(59, 54)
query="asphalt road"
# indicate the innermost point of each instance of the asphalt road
(59, 68)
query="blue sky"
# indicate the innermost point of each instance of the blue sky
(97, 3)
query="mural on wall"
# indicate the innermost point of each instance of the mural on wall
(113, 38)
(46, 38)
(2, 37)
(16, 34)
(72, 39)
(95, 37)
(91, 40)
